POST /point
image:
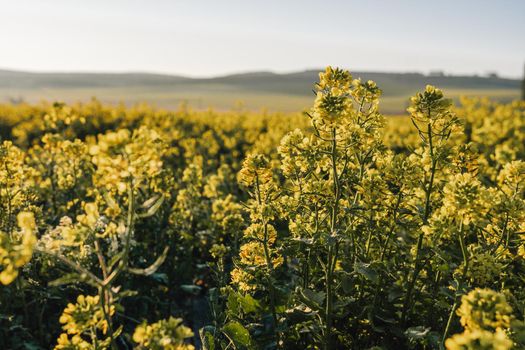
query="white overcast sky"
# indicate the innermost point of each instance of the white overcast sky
(215, 37)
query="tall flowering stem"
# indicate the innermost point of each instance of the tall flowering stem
(434, 120)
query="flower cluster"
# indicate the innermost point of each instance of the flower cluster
(464, 198)
(255, 171)
(16, 248)
(62, 170)
(430, 107)
(260, 238)
(168, 334)
(485, 315)
(485, 309)
(122, 160)
(479, 340)
(82, 321)
(485, 268)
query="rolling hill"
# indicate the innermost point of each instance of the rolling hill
(255, 90)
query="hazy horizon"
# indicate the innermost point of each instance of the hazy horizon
(211, 39)
(240, 72)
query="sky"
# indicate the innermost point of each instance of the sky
(216, 37)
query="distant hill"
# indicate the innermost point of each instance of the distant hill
(30, 80)
(281, 92)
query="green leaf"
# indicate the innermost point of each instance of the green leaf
(153, 204)
(32, 346)
(305, 240)
(233, 303)
(148, 271)
(248, 303)
(127, 293)
(312, 298)
(237, 334)
(116, 258)
(241, 303)
(366, 271)
(207, 338)
(191, 288)
(66, 279)
(394, 293)
(299, 314)
(160, 277)
(417, 333)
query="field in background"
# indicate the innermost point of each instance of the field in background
(250, 91)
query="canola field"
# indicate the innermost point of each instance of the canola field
(339, 228)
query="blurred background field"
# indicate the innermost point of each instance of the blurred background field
(254, 91)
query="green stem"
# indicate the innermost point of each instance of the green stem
(268, 258)
(384, 249)
(449, 320)
(464, 253)
(332, 247)
(106, 305)
(81, 270)
(394, 223)
(269, 263)
(123, 264)
(426, 214)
